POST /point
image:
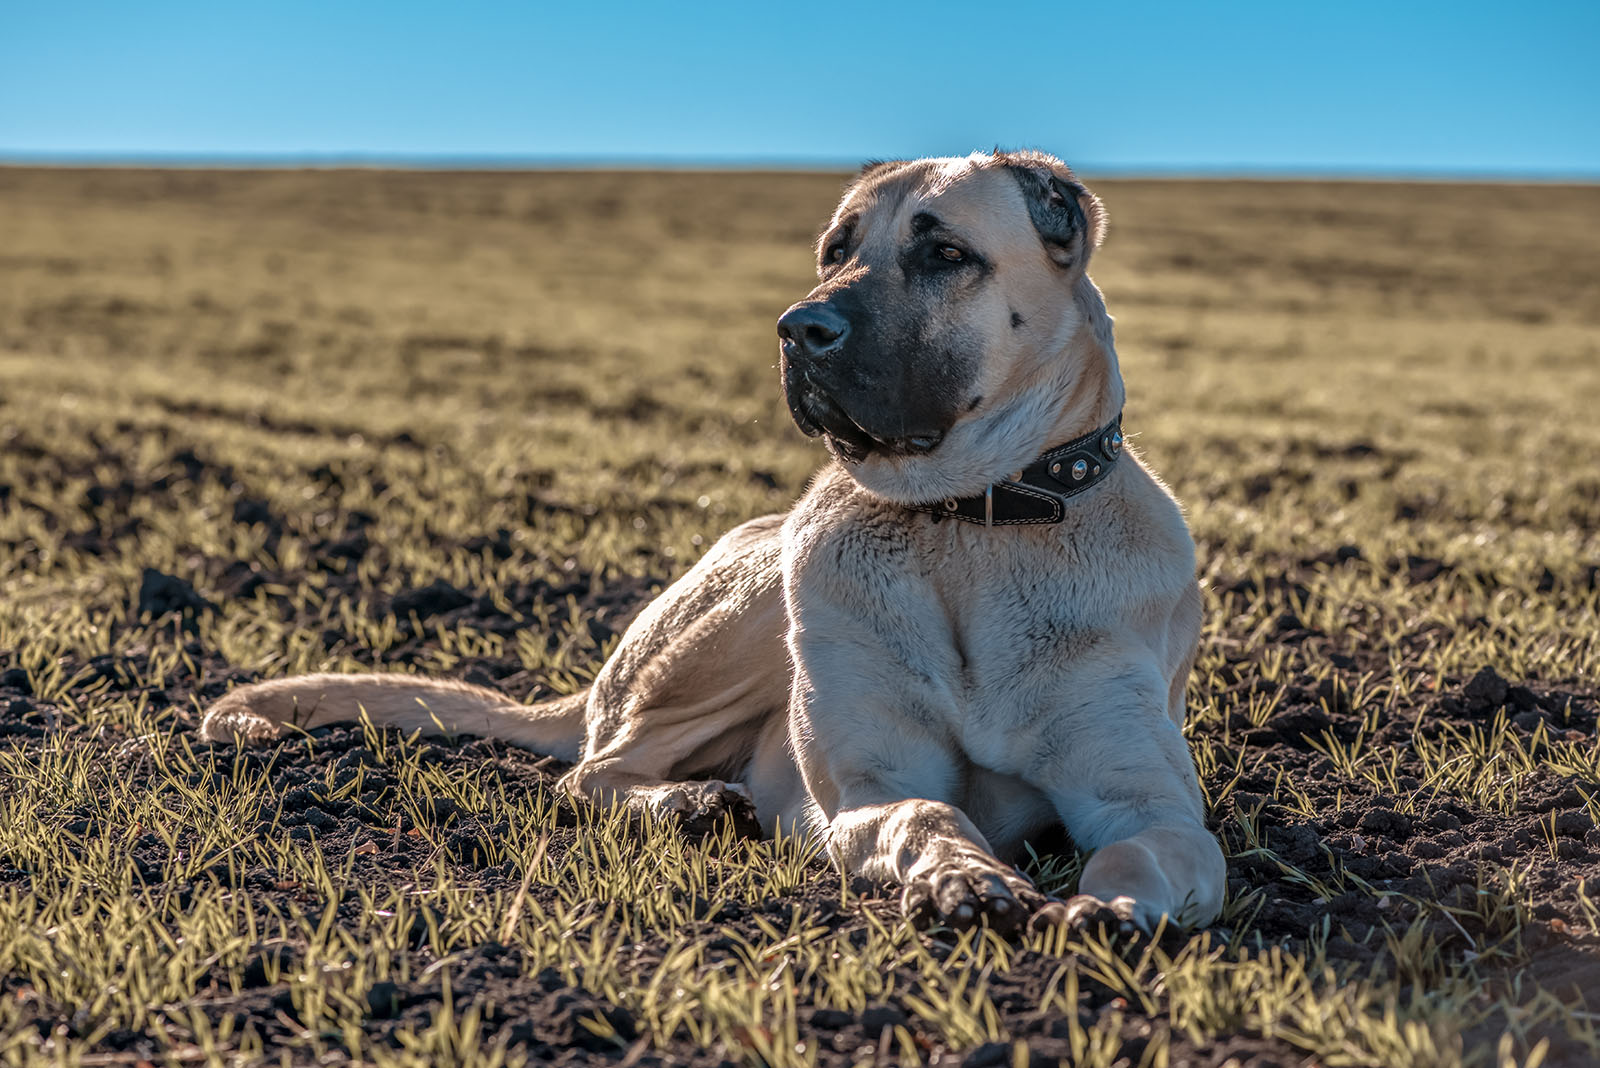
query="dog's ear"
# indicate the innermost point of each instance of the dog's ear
(1070, 220)
(869, 170)
(873, 166)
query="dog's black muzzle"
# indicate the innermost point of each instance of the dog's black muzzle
(814, 342)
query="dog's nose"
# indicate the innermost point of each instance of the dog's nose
(813, 328)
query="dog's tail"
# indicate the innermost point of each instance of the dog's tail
(434, 706)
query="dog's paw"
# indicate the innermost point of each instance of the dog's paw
(964, 891)
(699, 807)
(1121, 917)
(235, 722)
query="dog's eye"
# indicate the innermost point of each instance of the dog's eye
(951, 253)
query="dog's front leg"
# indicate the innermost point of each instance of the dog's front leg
(1131, 795)
(1173, 872)
(887, 788)
(871, 719)
(950, 874)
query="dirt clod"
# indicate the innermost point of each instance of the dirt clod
(434, 599)
(162, 595)
(1485, 692)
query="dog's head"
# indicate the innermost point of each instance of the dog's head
(934, 353)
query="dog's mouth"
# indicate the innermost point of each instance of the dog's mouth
(818, 414)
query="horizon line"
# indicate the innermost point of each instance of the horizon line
(467, 162)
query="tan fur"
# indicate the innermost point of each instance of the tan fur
(924, 695)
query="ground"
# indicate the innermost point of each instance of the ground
(254, 424)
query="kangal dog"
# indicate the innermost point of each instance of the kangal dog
(976, 623)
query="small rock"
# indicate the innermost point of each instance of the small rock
(1528, 721)
(876, 1018)
(434, 599)
(1485, 692)
(383, 1001)
(1522, 699)
(16, 679)
(161, 594)
(988, 1055)
(831, 1019)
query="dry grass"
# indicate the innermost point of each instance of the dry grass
(203, 372)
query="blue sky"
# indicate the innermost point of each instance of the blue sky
(1343, 87)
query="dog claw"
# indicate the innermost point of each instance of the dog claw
(699, 807)
(1117, 918)
(967, 892)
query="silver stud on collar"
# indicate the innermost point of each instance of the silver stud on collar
(1072, 467)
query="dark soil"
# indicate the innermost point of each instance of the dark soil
(1437, 850)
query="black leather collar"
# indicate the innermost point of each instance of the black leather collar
(1038, 493)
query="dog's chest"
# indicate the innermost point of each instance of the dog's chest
(993, 631)
(1023, 623)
